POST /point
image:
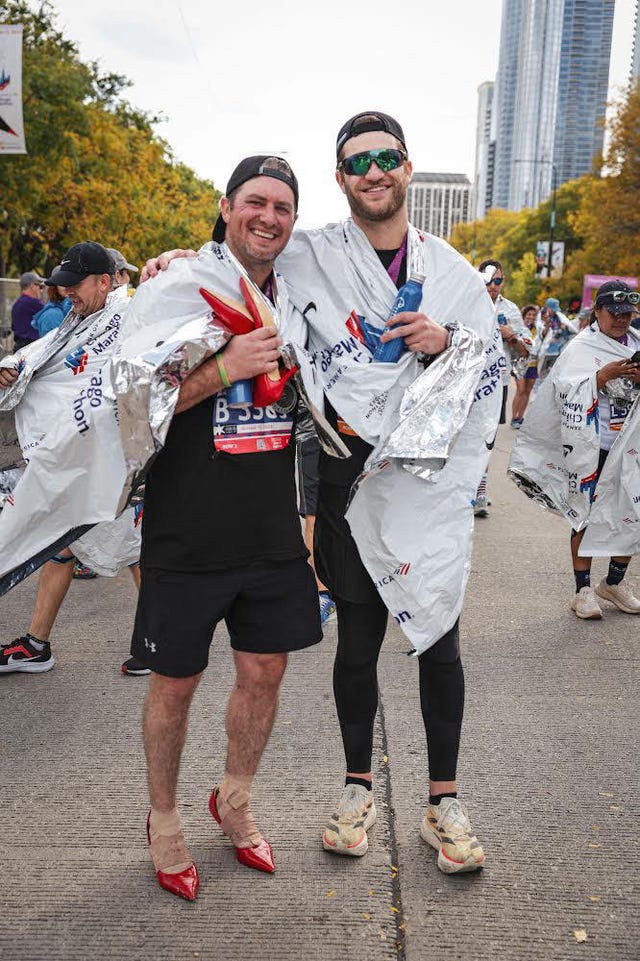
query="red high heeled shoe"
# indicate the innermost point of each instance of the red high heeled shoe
(267, 388)
(259, 857)
(185, 884)
(231, 315)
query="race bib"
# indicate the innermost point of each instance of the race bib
(618, 415)
(250, 431)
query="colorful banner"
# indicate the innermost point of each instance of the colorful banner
(11, 123)
(542, 258)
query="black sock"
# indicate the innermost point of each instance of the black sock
(362, 781)
(616, 572)
(583, 579)
(436, 798)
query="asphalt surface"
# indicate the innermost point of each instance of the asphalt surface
(549, 770)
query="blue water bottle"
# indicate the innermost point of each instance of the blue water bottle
(409, 297)
(240, 395)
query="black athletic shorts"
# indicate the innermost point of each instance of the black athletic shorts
(270, 607)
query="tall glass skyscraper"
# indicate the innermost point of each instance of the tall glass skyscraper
(505, 98)
(582, 85)
(551, 92)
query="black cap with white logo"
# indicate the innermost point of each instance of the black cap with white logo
(81, 261)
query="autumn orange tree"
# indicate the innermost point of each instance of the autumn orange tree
(95, 169)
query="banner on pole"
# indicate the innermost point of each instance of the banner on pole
(11, 123)
(542, 258)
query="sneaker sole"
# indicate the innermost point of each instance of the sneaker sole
(481, 513)
(142, 673)
(621, 607)
(359, 849)
(596, 616)
(445, 864)
(29, 667)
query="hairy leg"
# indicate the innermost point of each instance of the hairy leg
(251, 712)
(53, 585)
(252, 709)
(165, 717)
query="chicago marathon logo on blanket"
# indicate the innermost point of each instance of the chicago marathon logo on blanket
(588, 485)
(77, 360)
(137, 514)
(593, 415)
(400, 571)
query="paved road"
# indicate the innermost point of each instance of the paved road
(549, 769)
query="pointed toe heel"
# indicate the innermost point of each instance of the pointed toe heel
(259, 857)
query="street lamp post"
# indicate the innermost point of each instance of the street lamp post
(552, 216)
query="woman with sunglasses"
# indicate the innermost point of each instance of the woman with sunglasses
(570, 431)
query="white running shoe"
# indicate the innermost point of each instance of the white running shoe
(481, 506)
(585, 605)
(346, 830)
(447, 828)
(620, 595)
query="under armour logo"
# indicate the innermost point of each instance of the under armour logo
(150, 645)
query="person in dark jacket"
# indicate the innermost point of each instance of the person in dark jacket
(26, 306)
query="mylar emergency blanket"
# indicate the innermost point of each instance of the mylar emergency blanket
(67, 432)
(411, 512)
(169, 330)
(555, 457)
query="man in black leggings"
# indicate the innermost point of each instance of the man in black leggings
(378, 202)
(379, 207)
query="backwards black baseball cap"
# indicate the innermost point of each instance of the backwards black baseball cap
(366, 121)
(261, 165)
(81, 261)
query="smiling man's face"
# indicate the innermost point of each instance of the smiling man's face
(376, 195)
(259, 220)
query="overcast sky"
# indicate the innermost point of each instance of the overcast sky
(282, 76)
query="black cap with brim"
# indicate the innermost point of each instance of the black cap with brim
(366, 121)
(262, 165)
(80, 261)
(624, 308)
(605, 298)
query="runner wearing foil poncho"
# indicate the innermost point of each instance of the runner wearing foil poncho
(420, 440)
(55, 416)
(577, 453)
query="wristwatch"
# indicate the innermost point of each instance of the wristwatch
(452, 327)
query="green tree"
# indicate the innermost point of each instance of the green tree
(95, 169)
(511, 238)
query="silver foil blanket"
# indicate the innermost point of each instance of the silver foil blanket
(434, 408)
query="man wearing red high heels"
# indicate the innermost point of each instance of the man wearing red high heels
(221, 538)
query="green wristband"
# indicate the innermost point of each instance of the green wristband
(224, 377)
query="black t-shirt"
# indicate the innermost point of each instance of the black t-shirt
(334, 470)
(208, 509)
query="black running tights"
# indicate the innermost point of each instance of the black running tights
(361, 630)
